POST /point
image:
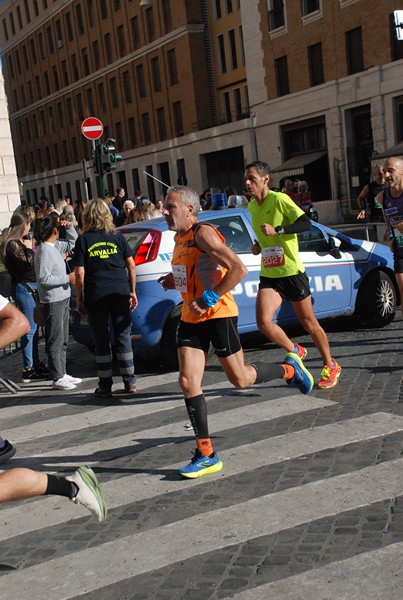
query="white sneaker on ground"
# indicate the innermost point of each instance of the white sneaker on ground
(63, 384)
(71, 379)
(89, 493)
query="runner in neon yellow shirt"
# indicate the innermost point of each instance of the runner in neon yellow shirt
(276, 220)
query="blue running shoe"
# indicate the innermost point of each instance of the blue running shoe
(201, 465)
(302, 377)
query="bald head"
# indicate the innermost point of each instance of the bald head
(393, 169)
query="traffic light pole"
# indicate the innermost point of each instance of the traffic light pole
(98, 165)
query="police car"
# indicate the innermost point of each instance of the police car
(347, 276)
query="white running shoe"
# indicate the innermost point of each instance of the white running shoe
(89, 493)
(71, 379)
(63, 384)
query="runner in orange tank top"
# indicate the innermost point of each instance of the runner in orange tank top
(205, 271)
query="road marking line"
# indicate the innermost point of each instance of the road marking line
(142, 486)
(109, 563)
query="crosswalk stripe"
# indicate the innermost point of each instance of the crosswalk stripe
(370, 575)
(143, 552)
(114, 414)
(237, 460)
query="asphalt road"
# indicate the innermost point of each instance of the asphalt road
(309, 503)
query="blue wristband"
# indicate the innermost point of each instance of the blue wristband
(210, 298)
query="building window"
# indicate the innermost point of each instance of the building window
(166, 15)
(84, 58)
(46, 83)
(19, 18)
(135, 32)
(69, 28)
(18, 62)
(121, 41)
(303, 137)
(310, 6)
(59, 34)
(5, 31)
(108, 48)
(116, 5)
(60, 115)
(181, 171)
(12, 26)
(141, 85)
(103, 8)
(95, 54)
(41, 46)
(119, 136)
(90, 12)
(127, 89)
(79, 18)
(162, 130)
(38, 87)
(26, 8)
(150, 24)
(276, 14)
(74, 67)
(395, 44)
(156, 75)
(25, 57)
(79, 105)
(65, 73)
(10, 66)
(101, 97)
(145, 122)
(232, 49)
(178, 121)
(69, 111)
(90, 101)
(238, 103)
(36, 9)
(221, 54)
(114, 92)
(354, 50)
(49, 36)
(33, 51)
(227, 108)
(55, 78)
(172, 69)
(217, 6)
(281, 68)
(398, 102)
(228, 6)
(315, 62)
(131, 127)
(135, 180)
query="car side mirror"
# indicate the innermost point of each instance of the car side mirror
(334, 247)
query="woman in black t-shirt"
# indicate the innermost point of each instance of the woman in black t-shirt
(105, 286)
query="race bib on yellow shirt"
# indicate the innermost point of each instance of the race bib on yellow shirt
(273, 256)
(179, 273)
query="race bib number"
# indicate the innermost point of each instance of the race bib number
(273, 257)
(179, 273)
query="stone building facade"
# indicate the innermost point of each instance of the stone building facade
(195, 90)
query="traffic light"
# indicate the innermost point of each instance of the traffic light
(97, 158)
(109, 156)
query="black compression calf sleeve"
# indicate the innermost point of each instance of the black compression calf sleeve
(59, 486)
(197, 412)
(267, 372)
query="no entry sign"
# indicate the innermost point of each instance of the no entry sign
(92, 128)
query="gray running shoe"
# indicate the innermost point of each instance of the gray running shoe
(6, 452)
(89, 493)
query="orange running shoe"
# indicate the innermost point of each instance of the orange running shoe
(330, 376)
(302, 352)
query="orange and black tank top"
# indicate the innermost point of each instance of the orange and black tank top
(194, 271)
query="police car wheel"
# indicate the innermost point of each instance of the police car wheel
(377, 299)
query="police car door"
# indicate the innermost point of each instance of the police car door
(329, 270)
(237, 233)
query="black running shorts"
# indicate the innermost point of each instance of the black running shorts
(292, 288)
(398, 264)
(221, 333)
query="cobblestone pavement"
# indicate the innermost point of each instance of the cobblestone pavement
(309, 503)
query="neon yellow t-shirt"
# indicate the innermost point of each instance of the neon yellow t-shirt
(280, 254)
